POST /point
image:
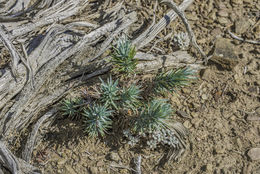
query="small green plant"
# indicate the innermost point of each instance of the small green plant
(71, 107)
(123, 57)
(130, 97)
(153, 117)
(109, 92)
(97, 120)
(169, 81)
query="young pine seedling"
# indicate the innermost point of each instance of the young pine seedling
(72, 107)
(169, 81)
(123, 57)
(97, 120)
(109, 92)
(130, 97)
(153, 117)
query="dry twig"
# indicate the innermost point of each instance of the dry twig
(243, 40)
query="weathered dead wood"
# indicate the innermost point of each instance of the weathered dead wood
(4, 37)
(13, 6)
(58, 12)
(138, 162)
(151, 62)
(26, 155)
(148, 35)
(17, 10)
(14, 164)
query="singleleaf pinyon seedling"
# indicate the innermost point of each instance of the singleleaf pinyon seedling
(154, 116)
(109, 93)
(97, 120)
(72, 107)
(123, 57)
(130, 97)
(170, 80)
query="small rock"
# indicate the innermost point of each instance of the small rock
(224, 54)
(202, 41)
(216, 32)
(182, 114)
(93, 170)
(114, 156)
(187, 124)
(100, 163)
(209, 167)
(204, 97)
(237, 78)
(239, 143)
(254, 154)
(233, 17)
(241, 25)
(205, 74)
(62, 161)
(221, 5)
(219, 149)
(233, 118)
(237, 2)
(223, 13)
(212, 16)
(69, 170)
(258, 111)
(175, 100)
(247, 1)
(186, 91)
(253, 118)
(196, 122)
(194, 114)
(192, 17)
(223, 20)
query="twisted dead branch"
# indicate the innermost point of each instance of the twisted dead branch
(14, 164)
(26, 155)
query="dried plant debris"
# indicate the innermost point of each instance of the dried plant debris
(181, 40)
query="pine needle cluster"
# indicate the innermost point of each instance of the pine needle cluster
(97, 120)
(172, 80)
(130, 97)
(98, 117)
(154, 116)
(71, 108)
(123, 57)
(109, 92)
